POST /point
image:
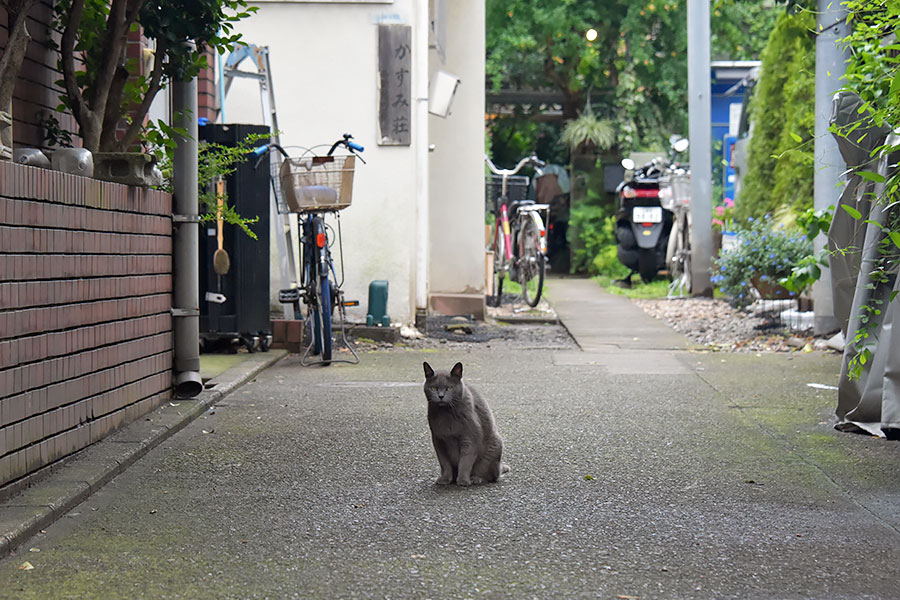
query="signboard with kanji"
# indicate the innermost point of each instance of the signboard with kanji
(395, 89)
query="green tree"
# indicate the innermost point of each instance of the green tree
(107, 94)
(635, 68)
(873, 72)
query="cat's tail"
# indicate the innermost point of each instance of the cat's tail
(504, 468)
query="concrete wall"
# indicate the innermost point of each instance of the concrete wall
(457, 167)
(85, 327)
(324, 65)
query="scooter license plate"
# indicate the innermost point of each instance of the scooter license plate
(647, 214)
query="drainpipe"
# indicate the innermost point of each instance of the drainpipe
(420, 66)
(186, 287)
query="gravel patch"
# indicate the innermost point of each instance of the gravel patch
(715, 323)
(706, 322)
(512, 325)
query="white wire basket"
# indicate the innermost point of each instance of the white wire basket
(681, 189)
(317, 183)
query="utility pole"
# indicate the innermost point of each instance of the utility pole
(699, 131)
(831, 64)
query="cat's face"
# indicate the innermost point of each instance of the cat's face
(443, 388)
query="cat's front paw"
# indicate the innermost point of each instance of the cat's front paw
(442, 480)
(463, 482)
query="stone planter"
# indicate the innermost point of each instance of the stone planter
(32, 157)
(770, 289)
(129, 168)
(5, 135)
(75, 161)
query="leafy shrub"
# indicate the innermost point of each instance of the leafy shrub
(592, 240)
(782, 111)
(607, 262)
(766, 251)
(808, 269)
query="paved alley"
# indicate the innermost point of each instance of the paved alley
(640, 469)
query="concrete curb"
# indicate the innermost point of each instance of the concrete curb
(35, 508)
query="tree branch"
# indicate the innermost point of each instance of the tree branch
(112, 113)
(80, 109)
(137, 121)
(16, 46)
(110, 54)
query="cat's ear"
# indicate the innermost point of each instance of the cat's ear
(429, 372)
(456, 371)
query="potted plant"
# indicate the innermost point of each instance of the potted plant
(764, 254)
(724, 236)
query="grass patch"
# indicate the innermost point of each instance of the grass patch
(514, 287)
(658, 288)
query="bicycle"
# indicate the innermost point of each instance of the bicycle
(520, 240)
(313, 186)
(676, 196)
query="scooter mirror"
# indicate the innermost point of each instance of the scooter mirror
(681, 145)
(628, 164)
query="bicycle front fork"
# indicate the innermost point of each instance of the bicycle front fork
(507, 238)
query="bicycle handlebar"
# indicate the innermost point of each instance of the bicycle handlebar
(346, 143)
(266, 147)
(532, 160)
(353, 147)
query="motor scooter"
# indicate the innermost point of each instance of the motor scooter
(643, 225)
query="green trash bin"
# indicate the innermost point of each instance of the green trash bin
(378, 298)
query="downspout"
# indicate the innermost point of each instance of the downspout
(186, 287)
(420, 45)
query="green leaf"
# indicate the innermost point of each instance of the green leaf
(796, 137)
(895, 237)
(871, 176)
(895, 84)
(852, 211)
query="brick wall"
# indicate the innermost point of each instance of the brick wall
(85, 327)
(207, 90)
(37, 94)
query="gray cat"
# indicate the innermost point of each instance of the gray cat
(465, 438)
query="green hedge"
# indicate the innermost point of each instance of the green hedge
(779, 168)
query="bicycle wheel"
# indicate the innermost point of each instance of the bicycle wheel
(324, 317)
(530, 264)
(499, 263)
(314, 319)
(684, 256)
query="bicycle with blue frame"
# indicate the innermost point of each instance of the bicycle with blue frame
(313, 186)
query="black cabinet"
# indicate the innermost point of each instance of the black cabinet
(243, 317)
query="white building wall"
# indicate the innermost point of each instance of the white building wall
(457, 162)
(324, 67)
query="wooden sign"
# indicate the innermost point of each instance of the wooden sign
(395, 85)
